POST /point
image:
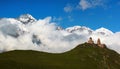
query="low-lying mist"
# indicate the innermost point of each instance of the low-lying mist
(43, 35)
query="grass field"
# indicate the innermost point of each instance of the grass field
(84, 56)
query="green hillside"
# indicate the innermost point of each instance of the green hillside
(84, 56)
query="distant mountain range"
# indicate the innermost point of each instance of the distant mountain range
(27, 19)
(43, 35)
(58, 48)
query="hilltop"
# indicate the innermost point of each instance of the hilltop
(84, 56)
(28, 33)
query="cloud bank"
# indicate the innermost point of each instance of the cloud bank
(44, 35)
(15, 35)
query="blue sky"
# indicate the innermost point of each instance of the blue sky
(90, 13)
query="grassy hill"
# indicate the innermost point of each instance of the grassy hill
(84, 56)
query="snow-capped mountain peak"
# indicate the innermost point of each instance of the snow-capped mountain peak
(43, 35)
(104, 31)
(26, 18)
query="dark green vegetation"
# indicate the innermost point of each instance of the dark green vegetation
(85, 56)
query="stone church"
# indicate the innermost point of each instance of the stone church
(90, 41)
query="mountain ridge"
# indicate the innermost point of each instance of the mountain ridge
(28, 19)
(84, 56)
(43, 35)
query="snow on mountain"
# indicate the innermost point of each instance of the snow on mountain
(86, 30)
(79, 29)
(103, 31)
(26, 18)
(44, 35)
(59, 28)
(16, 27)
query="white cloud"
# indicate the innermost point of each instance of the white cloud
(51, 40)
(68, 8)
(70, 18)
(86, 4)
(83, 4)
(57, 19)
